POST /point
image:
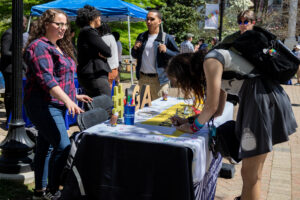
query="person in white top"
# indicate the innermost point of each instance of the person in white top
(119, 44)
(113, 61)
(120, 48)
(153, 49)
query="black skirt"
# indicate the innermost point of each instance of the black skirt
(265, 117)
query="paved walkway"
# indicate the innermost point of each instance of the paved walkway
(281, 173)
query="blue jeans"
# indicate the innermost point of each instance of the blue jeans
(41, 174)
(49, 121)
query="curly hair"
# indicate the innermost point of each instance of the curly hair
(186, 72)
(38, 29)
(86, 14)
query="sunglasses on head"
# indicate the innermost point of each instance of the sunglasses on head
(245, 22)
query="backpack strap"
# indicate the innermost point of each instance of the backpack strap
(229, 75)
(79, 181)
(163, 39)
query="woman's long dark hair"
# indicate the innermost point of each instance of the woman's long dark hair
(186, 72)
(39, 30)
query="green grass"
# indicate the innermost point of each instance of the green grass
(15, 191)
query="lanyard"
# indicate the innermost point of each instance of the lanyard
(212, 137)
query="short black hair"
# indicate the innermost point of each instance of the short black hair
(104, 29)
(86, 14)
(159, 15)
(116, 35)
(202, 40)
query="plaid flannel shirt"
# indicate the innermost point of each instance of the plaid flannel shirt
(48, 68)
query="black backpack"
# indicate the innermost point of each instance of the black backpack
(270, 57)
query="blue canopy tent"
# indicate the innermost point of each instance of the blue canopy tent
(111, 10)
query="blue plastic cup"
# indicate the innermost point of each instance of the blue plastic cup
(129, 115)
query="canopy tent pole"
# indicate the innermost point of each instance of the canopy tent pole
(129, 43)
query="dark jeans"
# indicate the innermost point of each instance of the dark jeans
(8, 93)
(8, 96)
(49, 121)
(95, 87)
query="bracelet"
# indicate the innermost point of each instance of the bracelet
(194, 129)
(196, 126)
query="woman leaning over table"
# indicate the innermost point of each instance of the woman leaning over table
(49, 91)
(265, 115)
(93, 67)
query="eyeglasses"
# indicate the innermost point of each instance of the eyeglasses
(245, 22)
(61, 25)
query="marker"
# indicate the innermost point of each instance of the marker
(128, 100)
(132, 102)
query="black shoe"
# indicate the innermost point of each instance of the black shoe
(38, 195)
(51, 196)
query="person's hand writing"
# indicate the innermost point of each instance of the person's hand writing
(186, 128)
(162, 48)
(177, 121)
(73, 108)
(137, 45)
(84, 98)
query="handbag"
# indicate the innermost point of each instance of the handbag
(223, 140)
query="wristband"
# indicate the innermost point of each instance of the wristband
(196, 126)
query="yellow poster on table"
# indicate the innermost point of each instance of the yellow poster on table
(182, 110)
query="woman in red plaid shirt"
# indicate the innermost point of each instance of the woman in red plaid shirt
(49, 91)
